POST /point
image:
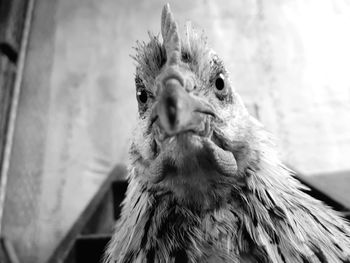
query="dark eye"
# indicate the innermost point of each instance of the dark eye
(142, 96)
(220, 82)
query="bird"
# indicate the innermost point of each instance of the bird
(206, 183)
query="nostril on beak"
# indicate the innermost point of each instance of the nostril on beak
(175, 107)
(171, 111)
(169, 105)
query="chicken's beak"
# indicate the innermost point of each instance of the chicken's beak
(178, 110)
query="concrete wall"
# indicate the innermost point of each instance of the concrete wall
(77, 105)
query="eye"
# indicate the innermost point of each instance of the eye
(220, 82)
(221, 87)
(142, 96)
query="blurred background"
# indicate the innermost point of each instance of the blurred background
(68, 103)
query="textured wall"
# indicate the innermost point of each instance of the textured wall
(77, 106)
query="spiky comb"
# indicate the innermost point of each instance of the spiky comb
(170, 34)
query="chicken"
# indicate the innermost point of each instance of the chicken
(205, 182)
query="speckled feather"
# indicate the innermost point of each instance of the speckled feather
(257, 214)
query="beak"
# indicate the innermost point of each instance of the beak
(178, 110)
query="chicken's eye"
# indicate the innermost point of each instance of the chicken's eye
(220, 82)
(221, 87)
(142, 96)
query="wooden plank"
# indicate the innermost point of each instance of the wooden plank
(15, 27)
(334, 185)
(7, 76)
(102, 220)
(67, 243)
